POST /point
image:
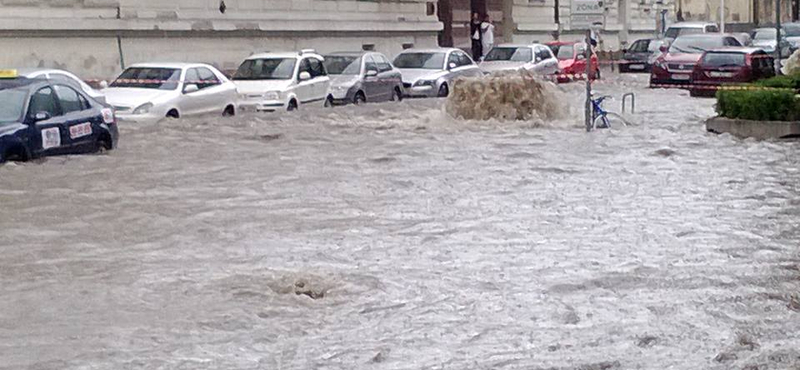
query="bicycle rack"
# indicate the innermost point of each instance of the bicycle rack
(633, 102)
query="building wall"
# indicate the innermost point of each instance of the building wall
(82, 35)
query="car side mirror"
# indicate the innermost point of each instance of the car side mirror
(451, 66)
(372, 73)
(42, 116)
(190, 88)
(304, 76)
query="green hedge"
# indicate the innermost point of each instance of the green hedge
(787, 82)
(759, 105)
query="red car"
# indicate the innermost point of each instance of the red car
(730, 65)
(675, 64)
(572, 59)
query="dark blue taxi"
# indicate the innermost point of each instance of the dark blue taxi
(41, 117)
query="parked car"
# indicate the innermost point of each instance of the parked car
(676, 63)
(572, 59)
(431, 72)
(689, 28)
(767, 39)
(149, 92)
(792, 32)
(360, 77)
(536, 58)
(61, 75)
(639, 56)
(41, 117)
(744, 38)
(730, 65)
(282, 81)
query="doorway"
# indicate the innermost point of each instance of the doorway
(455, 15)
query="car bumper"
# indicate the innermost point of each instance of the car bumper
(421, 92)
(261, 106)
(138, 118)
(634, 67)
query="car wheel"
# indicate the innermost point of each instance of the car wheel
(229, 111)
(292, 106)
(444, 91)
(173, 114)
(397, 95)
(359, 98)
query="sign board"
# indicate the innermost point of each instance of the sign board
(586, 14)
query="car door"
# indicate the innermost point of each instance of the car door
(389, 78)
(49, 133)
(470, 68)
(305, 87)
(78, 119)
(191, 101)
(372, 84)
(550, 63)
(319, 78)
(211, 93)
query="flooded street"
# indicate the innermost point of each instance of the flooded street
(391, 236)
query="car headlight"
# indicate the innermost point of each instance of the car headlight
(143, 109)
(272, 95)
(425, 83)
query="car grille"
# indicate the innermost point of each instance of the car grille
(680, 67)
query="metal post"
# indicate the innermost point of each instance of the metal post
(588, 110)
(778, 33)
(722, 16)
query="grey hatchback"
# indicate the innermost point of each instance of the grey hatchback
(360, 77)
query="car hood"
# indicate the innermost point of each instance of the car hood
(345, 80)
(501, 65)
(133, 97)
(681, 57)
(566, 63)
(261, 86)
(413, 75)
(765, 43)
(11, 128)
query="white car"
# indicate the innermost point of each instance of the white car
(535, 58)
(151, 92)
(431, 72)
(61, 75)
(282, 81)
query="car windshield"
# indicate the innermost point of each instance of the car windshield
(792, 30)
(509, 54)
(724, 60)
(342, 65)
(765, 34)
(695, 45)
(12, 104)
(674, 32)
(654, 46)
(420, 61)
(566, 52)
(149, 78)
(266, 69)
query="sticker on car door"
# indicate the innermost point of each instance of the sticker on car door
(80, 130)
(51, 138)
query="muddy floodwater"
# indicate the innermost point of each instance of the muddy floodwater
(393, 237)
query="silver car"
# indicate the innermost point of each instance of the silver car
(431, 72)
(61, 75)
(359, 77)
(766, 39)
(535, 58)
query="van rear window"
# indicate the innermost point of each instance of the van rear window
(724, 60)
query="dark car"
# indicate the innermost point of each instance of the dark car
(360, 77)
(676, 64)
(638, 57)
(41, 117)
(730, 66)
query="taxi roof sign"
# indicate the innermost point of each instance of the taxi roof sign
(8, 73)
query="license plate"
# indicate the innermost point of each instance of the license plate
(720, 74)
(680, 77)
(80, 130)
(638, 67)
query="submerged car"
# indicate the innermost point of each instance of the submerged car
(535, 58)
(62, 75)
(360, 77)
(572, 60)
(150, 92)
(730, 65)
(431, 72)
(676, 64)
(41, 117)
(639, 56)
(268, 82)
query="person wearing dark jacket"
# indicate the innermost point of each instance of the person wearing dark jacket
(476, 36)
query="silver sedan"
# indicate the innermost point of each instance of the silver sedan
(431, 72)
(360, 77)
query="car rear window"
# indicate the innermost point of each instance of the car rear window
(724, 60)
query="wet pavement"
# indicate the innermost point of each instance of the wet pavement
(391, 236)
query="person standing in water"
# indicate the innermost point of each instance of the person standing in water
(487, 34)
(476, 35)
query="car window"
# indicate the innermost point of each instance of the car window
(543, 54)
(317, 70)
(383, 63)
(149, 78)
(192, 77)
(413, 60)
(44, 101)
(207, 78)
(69, 99)
(266, 69)
(12, 104)
(304, 67)
(369, 64)
(639, 46)
(342, 64)
(463, 59)
(731, 41)
(452, 59)
(513, 54)
(712, 29)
